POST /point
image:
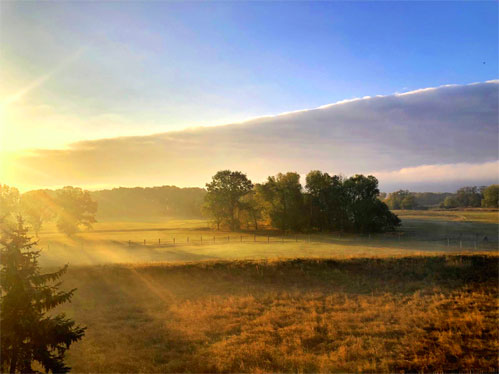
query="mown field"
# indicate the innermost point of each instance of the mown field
(422, 232)
(406, 314)
(423, 299)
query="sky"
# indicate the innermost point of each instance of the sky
(78, 74)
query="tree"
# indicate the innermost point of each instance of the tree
(251, 208)
(469, 197)
(401, 199)
(491, 196)
(224, 194)
(326, 201)
(9, 202)
(38, 207)
(285, 203)
(28, 334)
(450, 202)
(366, 212)
(76, 208)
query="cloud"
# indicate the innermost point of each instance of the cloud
(440, 177)
(449, 125)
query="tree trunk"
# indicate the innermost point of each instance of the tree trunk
(13, 361)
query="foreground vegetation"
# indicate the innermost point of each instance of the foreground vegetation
(433, 313)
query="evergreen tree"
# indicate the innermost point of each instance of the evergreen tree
(28, 334)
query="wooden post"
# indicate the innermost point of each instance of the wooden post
(228, 238)
(296, 238)
(282, 239)
(144, 242)
(213, 239)
(241, 238)
(268, 238)
(201, 238)
(129, 243)
(187, 239)
(173, 241)
(254, 238)
(159, 242)
(460, 244)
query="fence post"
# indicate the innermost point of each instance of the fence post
(187, 239)
(173, 241)
(159, 242)
(228, 238)
(461, 244)
(241, 238)
(254, 237)
(201, 238)
(296, 238)
(213, 239)
(268, 238)
(144, 242)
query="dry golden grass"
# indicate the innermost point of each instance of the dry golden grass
(404, 314)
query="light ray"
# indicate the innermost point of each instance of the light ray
(45, 77)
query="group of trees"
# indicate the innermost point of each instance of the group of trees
(327, 202)
(71, 207)
(402, 199)
(473, 197)
(465, 197)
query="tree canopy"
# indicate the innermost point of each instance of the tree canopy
(327, 202)
(76, 208)
(224, 194)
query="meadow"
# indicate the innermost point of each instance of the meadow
(404, 302)
(162, 239)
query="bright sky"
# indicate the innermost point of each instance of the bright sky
(87, 70)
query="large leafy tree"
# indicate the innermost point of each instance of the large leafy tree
(224, 194)
(29, 334)
(9, 203)
(326, 201)
(37, 207)
(491, 196)
(76, 208)
(284, 201)
(365, 211)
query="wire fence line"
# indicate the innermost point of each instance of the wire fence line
(470, 242)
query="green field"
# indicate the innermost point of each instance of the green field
(422, 232)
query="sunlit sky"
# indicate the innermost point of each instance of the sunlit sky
(76, 71)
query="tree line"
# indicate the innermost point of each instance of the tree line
(71, 207)
(465, 197)
(325, 203)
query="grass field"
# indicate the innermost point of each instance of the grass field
(423, 299)
(123, 242)
(408, 314)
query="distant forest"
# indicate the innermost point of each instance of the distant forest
(167, 201)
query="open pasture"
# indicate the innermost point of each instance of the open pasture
(160, 239)
(407, 314)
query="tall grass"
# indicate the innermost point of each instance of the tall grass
(425, 314)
